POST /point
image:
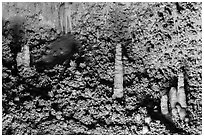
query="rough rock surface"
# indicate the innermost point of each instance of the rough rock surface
(81, 101)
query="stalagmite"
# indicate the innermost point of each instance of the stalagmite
(23, 61)
(181, 112)
(164, 105)
(181, 97)
(118, 80)
(173, 100)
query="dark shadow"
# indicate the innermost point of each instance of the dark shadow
(156, 114)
